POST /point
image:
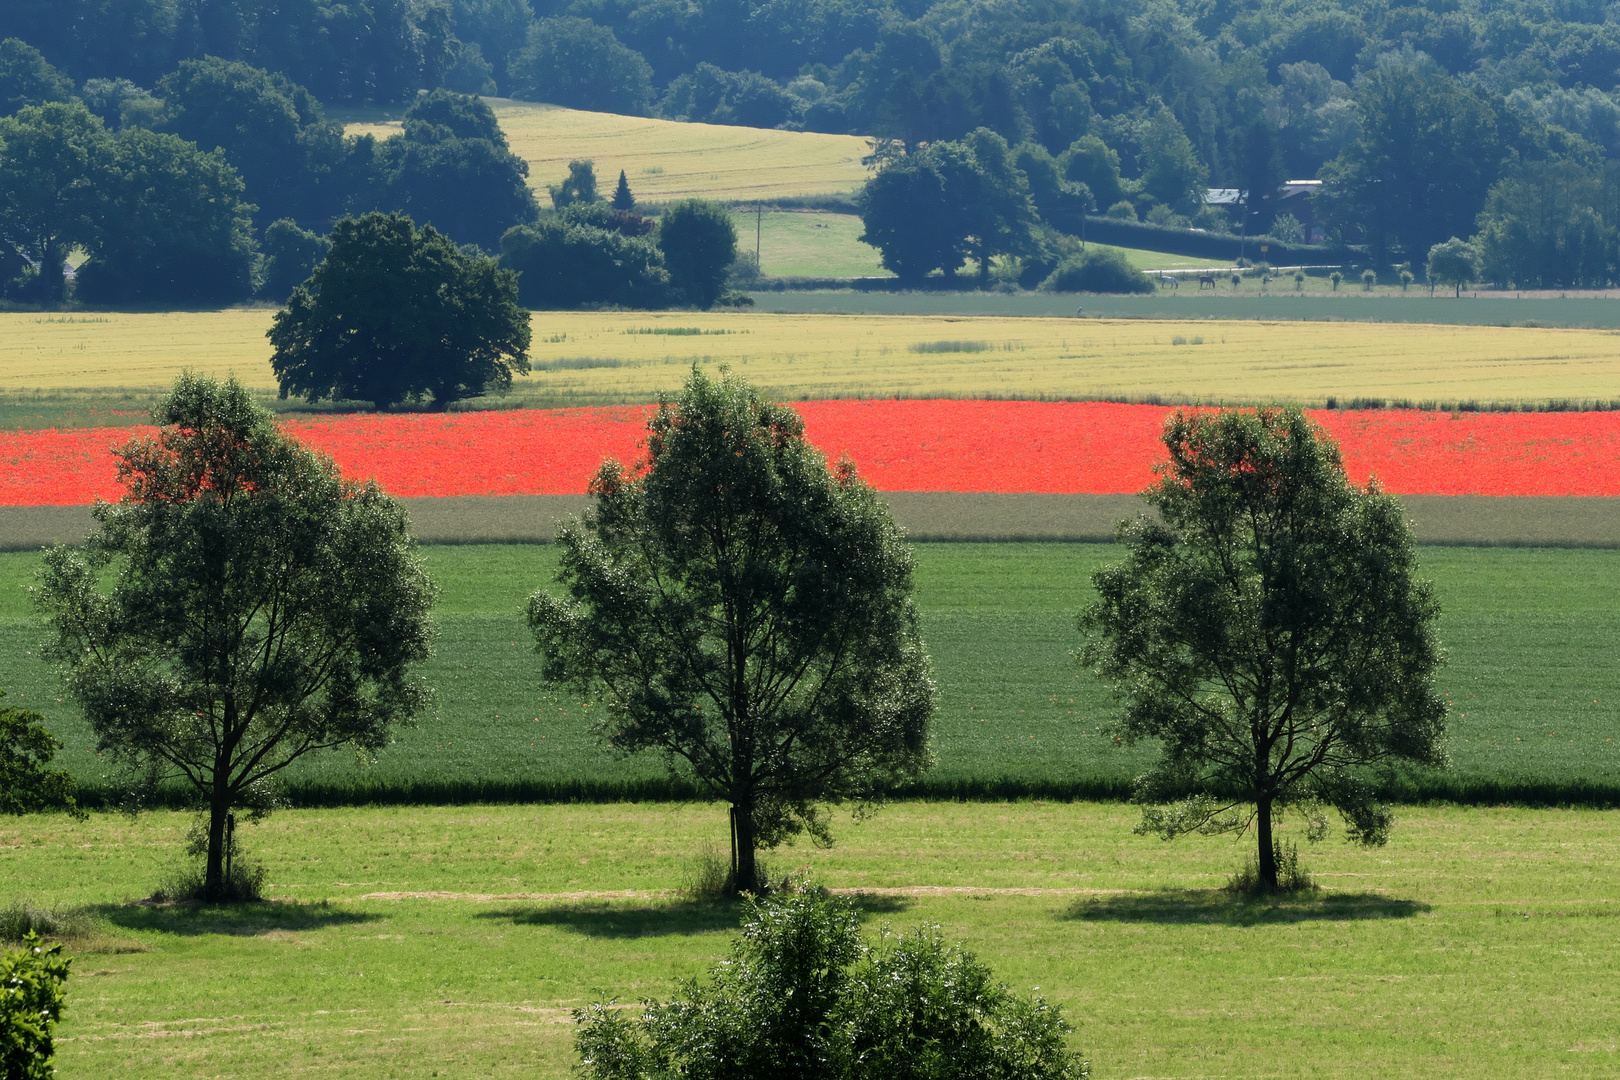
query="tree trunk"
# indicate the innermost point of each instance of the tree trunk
(1268, 853)
(53, 285)
(744, 867)
(219, 807)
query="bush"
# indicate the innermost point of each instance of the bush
(31, 1002)
(563, 263)
(1291, 877)
(804, 995)
(1098, 269)
(1124, 210)
(23, 918)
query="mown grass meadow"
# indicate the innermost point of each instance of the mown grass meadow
(1530, 636)
(1478, 943)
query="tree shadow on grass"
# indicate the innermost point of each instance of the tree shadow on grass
(234, 920)
(1223, 908)
(609, 919)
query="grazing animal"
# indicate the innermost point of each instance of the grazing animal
(1205, 279)
(1170, 280)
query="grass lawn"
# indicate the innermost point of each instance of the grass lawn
(794, 243)
(594, 358)
(1478, 943)
(1530, 633)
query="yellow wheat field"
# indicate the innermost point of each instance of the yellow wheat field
(591, 357)
(665, 159)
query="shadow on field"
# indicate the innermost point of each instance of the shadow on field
(235, 920)
(605, 919)
(1221, 907)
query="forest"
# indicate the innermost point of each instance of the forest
(1495, 122)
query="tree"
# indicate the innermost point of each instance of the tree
(564, 264)
(579, 187)
(622, 199)
(1088, 161)
(173, 227)
(31, 1005)
(451, 167)
(26, 78)
(395, 314)
(241, 608)
(291, 255)
(53, 164)
(27, 784)
(1171, 170)
(699, 243)
(747, 612)
(804, 996)
(1454, 262)
(903, 215)
(1427, 152)
(1271, 634)
(1552, 224)
(272, 131)
(574, 62)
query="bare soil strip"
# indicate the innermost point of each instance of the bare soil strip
(1512, 521)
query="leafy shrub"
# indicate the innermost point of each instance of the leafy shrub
(31, 1002)
(1098, 269)
(803, 995)
(22, 918)
(1291, 877)
(1124, 210)
(1288, 229)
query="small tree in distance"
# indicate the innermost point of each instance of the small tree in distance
(1271, 634)
(1454, 262)
(622, 198)
(394, 314)
(747, 612)
(241, 608)
(27, 783)
(578, 187)
(699, 243)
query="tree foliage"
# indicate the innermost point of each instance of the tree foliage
(27, 78)
(804, 996)
(1454, 262)
(241, 608)
(1272, 634)
(396, 314)
(566, 263)
(32, 998)
(1098, 269)
(747, 613)
(27, 783)
(574, 62)
(699, 242)
(54, 162)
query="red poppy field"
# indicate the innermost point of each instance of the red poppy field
(957, 446)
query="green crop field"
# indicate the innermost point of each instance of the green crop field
(663, 159)
(417, 942)
(1530, 633)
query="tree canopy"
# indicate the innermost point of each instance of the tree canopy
(574, 62)
(396, 314)
(242, 607)
(27, 782)
(699, 243)
(1271, 633)
(746, 612)
(54, 162)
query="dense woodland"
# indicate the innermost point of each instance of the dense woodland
(1491, 121)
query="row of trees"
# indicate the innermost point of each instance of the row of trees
(746, 611)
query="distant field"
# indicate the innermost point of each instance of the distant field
(593, 358)
(805, 244)
(664, 159)
(1531, 636)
